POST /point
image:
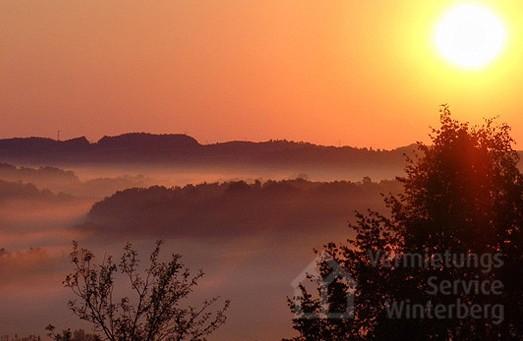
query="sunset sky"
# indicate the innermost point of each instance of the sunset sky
(362, 73)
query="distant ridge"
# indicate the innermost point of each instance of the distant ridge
(180, 149)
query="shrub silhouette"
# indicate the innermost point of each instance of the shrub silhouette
(461, 212)
(155, 311)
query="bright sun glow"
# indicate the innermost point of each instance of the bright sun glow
(470, 36)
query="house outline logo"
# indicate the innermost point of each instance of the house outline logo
(337, 272)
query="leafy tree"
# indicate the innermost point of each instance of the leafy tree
(155, 310)
(462, 199)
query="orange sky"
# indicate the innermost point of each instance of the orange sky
(361, 73)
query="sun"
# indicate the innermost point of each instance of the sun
(470, 36)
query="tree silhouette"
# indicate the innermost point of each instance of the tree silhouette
(155, 310)
(458, 222)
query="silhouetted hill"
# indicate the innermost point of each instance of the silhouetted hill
(135, 147)
(23, 191)
(66, 181)
(148, 141)
(235, 208)
(182, 150)
(40, 175)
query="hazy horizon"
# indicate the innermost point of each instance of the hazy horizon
(327, 73)
(65, 138)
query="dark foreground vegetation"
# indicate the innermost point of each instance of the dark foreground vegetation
(158, 308)
(458, 222)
